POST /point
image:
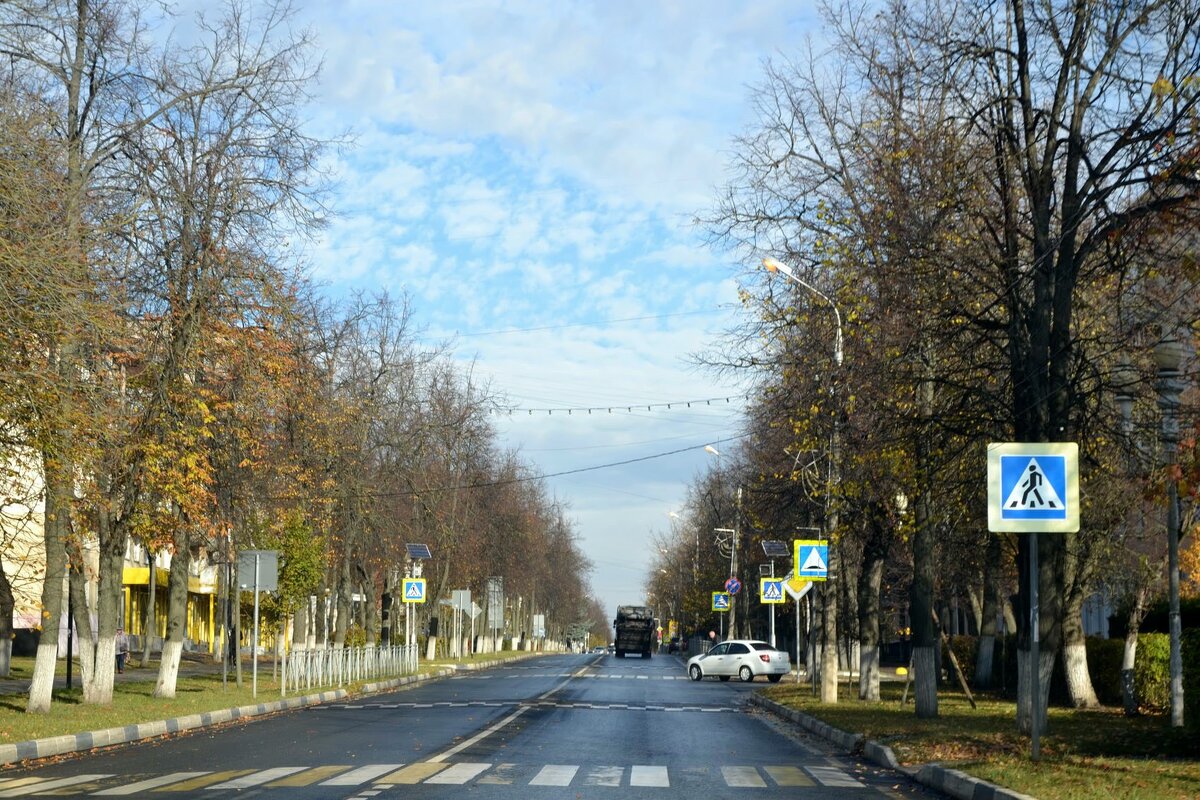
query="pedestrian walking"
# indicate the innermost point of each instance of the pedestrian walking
(122, 649)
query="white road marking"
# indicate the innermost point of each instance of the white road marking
(258, 778)
(149, 783)
(42, 786)
(648, 776)
(555, 775)
(361, 775)
(458, 774)
(604, 776)
(742, 777)
(832, 776)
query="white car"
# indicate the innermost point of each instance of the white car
(744, 658)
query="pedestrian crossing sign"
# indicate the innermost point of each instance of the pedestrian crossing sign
(770, 590)
(414, 590)
(812, 559)
(720, 601)
(1033, 487)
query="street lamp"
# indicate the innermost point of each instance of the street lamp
(829, 656)
(1168, 355)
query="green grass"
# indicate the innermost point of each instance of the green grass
(1096, 753)
(134, 701)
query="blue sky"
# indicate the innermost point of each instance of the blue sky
(527, 172)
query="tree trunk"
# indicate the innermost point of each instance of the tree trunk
(177, 600)
(1079, 680)
(56, 531)
(150, 625)
(924, 633)
(7, 604)
(870, 581)
(985, 655)
(1137, 613)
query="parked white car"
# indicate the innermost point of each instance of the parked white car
(744, 658)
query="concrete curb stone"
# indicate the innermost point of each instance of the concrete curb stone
(69, 743)
(950, 781)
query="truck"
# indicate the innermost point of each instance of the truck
(635, 627)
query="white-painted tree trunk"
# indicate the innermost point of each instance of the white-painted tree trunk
(1078, 677)
(41, 686)
(868, 676)
(168, 669)
(5, 657)
(98, 674)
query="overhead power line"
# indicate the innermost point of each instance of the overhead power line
(626, 407)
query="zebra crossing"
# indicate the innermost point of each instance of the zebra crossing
(583, 676)
(377, 778)
(529, 704)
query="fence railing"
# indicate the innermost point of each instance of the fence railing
(337, 666)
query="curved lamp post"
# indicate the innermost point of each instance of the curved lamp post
(1168, 355)
(829, 658)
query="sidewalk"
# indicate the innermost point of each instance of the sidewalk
(58, 745)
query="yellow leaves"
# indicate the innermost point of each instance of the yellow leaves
(1161, 89)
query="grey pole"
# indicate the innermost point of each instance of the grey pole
(254, 644)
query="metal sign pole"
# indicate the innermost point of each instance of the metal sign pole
(254, 644)
(1035, 668)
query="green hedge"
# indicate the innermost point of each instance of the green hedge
(1151, 669)
(1191, 678)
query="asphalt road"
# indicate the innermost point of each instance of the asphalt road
(571, 726)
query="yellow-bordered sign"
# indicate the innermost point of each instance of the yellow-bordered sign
(720, 601)
(414, 590)
(770, 590)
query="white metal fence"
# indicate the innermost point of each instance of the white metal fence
(337, 666)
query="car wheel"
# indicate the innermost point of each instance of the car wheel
(746, 674)
(774, 678)
(695, 673)
(723, 677)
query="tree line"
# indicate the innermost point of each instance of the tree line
(992, 207)
(173, 378)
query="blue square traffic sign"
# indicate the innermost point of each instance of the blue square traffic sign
(1033, 487)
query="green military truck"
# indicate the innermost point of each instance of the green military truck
(635, 628)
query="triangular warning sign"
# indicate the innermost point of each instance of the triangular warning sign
(772, 591)
(814, 562)
(1032, 491)
(414, 592)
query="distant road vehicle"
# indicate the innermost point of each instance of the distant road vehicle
(635, 629)
(745, 658)
(598, 648)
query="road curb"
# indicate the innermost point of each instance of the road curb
(75, 742)
(950, 781)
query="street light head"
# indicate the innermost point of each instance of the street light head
(1168, 353)
(773, 265)
(708, 448)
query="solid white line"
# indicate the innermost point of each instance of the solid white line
(30, 788)
(458, 748)
(151, 783)
(649, 776)
(555, 775)
(361, 775)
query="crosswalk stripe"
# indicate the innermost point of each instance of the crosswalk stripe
(832, 776)
(310, 776)
(257, 778)
(649, 776)
(604, 776)
(501, 775)
(789, 776)
(414, 773)
(459, 773)
(361, 775)
(148, 784)
(204, 781)
(742, 776)
(42, 786)
(555, 775)
(14, 782)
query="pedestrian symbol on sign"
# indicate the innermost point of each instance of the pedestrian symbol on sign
(1034, 491)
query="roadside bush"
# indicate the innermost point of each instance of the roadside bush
(1151, 672)
(1104, 665)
